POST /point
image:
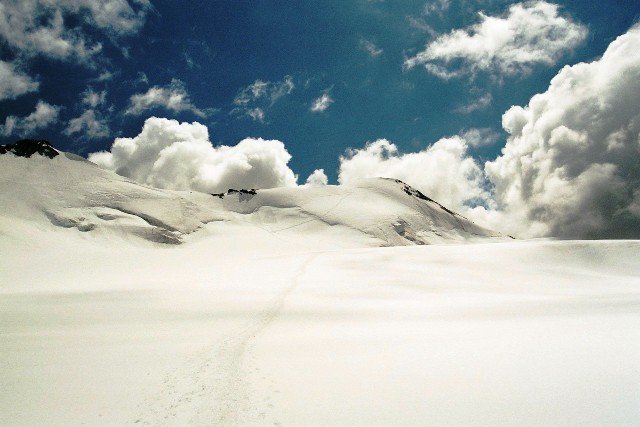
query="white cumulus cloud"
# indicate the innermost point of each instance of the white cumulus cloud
(317, 179)
(571, 166)
(173, 97)
(442, 171)
(528, 34)
(43, 116)
(13, 82)
(173, 155)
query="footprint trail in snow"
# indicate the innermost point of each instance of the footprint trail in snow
(217, 385)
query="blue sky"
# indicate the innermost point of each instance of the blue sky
(323, 77)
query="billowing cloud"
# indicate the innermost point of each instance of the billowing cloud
(528, 34)
(321, 103)
(443, 171)
(173, 97)
(41, 27)
(317, 179)
(13, 82)
(571, 166)
(253, 100)
(173, 155)
(43, 116)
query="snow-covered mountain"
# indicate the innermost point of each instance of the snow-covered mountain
(122, 304)
(70, 192)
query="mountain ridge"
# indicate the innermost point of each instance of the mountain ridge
(28, 147)
(69, 192)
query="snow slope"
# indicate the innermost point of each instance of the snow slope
(248, 322)
(70, 192)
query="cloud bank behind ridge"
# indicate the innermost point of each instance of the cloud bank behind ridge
(173, 155)
(570, 167)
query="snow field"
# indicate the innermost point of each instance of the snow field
(262, 332)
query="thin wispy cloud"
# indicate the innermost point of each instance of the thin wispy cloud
(480, 103)
(14, 82)
(323, 102)
(93, 99)
(437, 7)
(256, 114)
(421, 25)
(371, 48)
(93, 122)
(254, 100)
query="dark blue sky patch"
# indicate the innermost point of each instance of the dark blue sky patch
(352, 51)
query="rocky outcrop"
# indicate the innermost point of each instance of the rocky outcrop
(29, 147)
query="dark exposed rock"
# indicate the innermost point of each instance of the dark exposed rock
(251, 192)
(413, 192)
(29, 147)
(407, 189)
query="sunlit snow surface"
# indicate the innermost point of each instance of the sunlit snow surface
(248, 315)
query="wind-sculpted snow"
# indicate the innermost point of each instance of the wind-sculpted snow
(72, 193)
